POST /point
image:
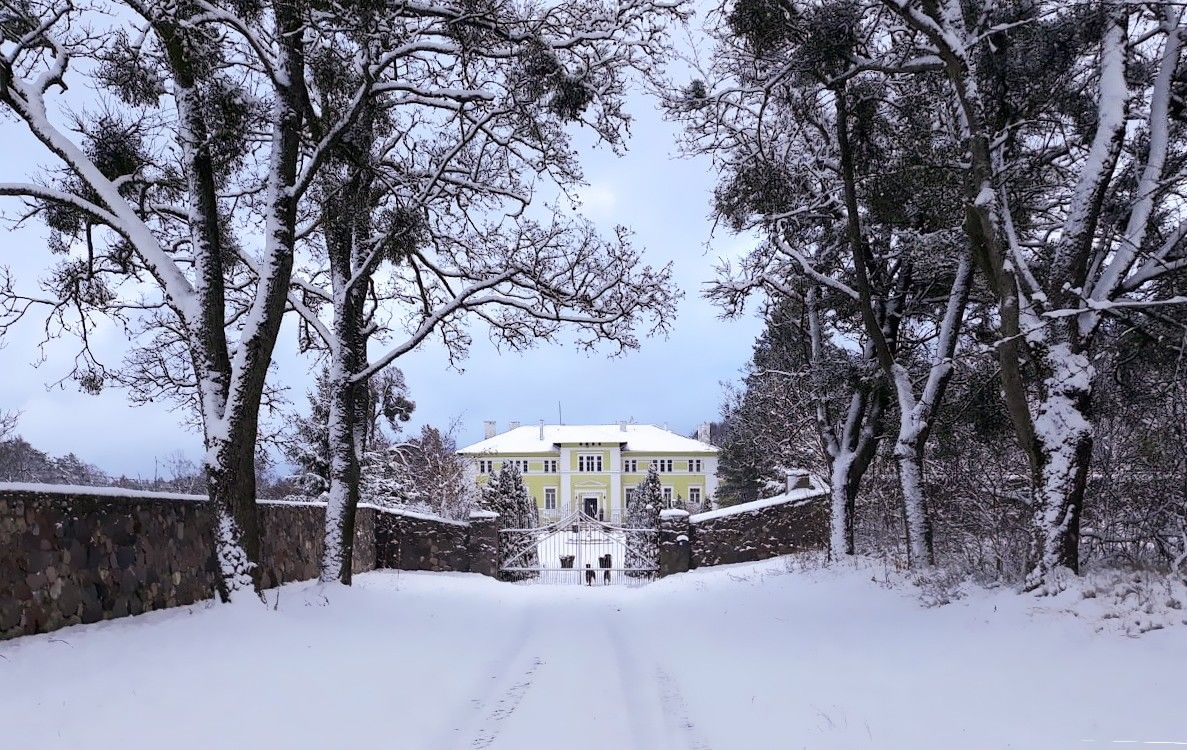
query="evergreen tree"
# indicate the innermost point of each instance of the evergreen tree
(385, 475)
(642, 522)
(506, 495)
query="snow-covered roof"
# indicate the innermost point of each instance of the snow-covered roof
(639, 438)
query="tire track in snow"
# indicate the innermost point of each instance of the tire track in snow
(504, 706)
(504, 677)
(664, 702)
(676, 711)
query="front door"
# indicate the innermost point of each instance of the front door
(591, 507)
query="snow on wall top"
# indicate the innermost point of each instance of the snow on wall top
(120, 492)
(795, 496)
(638, 438)
(80, 489)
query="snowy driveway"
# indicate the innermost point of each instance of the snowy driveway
(742, 658)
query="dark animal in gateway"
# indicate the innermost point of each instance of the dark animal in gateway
(605, 561)
(590, 575)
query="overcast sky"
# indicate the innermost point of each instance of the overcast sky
(675, 381)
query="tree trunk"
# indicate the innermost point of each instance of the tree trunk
(343, 497)
(843, 496)
(231, 485)
(347, 218)
(1061, 460)
(908, 456)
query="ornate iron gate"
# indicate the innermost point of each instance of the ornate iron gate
(579, 549)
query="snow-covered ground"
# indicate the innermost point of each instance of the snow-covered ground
(746, 657)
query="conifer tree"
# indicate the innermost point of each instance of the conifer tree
(643, 524)
(506, 495)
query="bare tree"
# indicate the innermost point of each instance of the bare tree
(8, 423)
(427, 221)
(1075, 217)
(176, 201)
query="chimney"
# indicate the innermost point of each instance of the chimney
(488, 428)
(622, 425)
(541, 429)
(514, 426)
(703, 432)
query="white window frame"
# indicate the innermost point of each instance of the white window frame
(550, 466)
(555, 498)
(695, 466)
(668, 494)
(697, 499)
(663, 465)
(486, 466)
(630, 465)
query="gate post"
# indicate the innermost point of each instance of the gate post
(675, 547)
(482, 543)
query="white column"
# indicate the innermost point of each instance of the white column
(615, 500)
(711, 477)
(566, 498)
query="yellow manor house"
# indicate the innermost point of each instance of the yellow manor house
(593, 467)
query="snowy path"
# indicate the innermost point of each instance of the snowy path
(574, 668)
(742, 658)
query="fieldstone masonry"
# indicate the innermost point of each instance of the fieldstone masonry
(77, 555)
(67, 560)
(675, 546)
(760, 530)
(411, 541)
(484, 543)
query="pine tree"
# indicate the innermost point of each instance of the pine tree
(506, 495)
(642, 522)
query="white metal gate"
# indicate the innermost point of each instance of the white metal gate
(579, 549)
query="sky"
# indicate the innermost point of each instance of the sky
(674, 381)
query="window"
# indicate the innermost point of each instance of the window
(668, 495)
(550, 498)
(486, 466)
(630, 495)
(694, 495)
(663, 465)
(694, 465)
(630, 465)
(550, 466)
(522, 466)
(589, 462)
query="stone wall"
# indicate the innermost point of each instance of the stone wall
(67, 559)
(292, 537)
(412, 541)
(760, 530)
(79, 555)
(675, 546)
